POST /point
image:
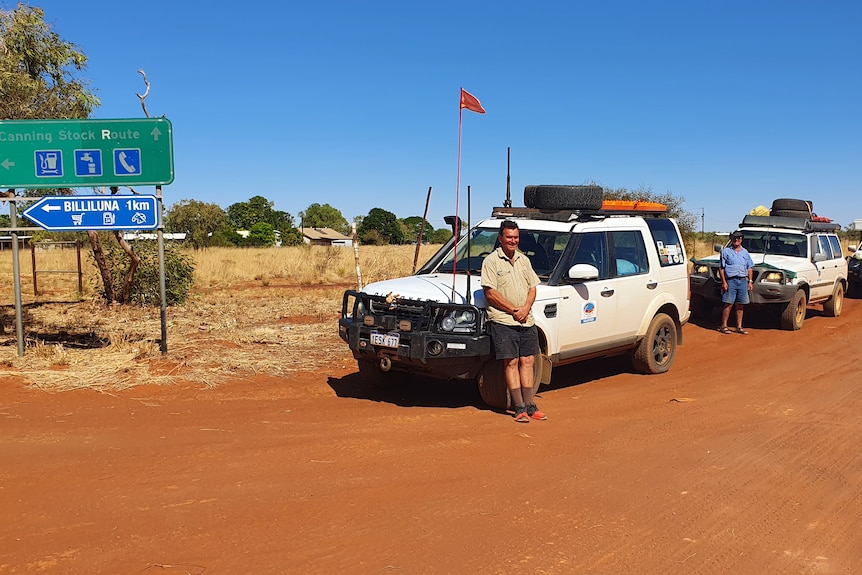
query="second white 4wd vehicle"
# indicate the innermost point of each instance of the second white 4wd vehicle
(797, 261)
(613, 282)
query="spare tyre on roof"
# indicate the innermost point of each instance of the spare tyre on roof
(554, 197)
(790, 204)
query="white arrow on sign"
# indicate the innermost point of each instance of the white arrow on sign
(7, 164)
(156, 133)
(50, 208)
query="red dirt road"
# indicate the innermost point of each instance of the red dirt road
(743, 459)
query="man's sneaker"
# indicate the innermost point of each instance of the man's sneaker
(534, 412)
(521, 415)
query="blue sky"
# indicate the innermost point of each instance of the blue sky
(727, 104)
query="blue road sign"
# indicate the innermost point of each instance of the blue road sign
(78, 213)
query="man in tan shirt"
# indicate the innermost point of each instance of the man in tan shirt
(510, 290)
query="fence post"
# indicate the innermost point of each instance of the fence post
(80, 271)
(33, 260)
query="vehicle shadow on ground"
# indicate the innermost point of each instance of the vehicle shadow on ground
(418, 391)
(759, 319)
(587, 371)
(411, 391)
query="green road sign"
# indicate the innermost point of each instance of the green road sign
(85, 153)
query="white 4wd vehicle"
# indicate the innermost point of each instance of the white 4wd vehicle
(613, 281)
(797, 261)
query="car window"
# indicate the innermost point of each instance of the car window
(667, 242)
(823, 247)
(629, 253)
(836, 246)
(592, 249)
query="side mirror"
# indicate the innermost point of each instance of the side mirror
(821, 257)
(583, 272)
(717, 248)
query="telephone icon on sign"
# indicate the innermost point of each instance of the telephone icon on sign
(127, 162)
(124, 163)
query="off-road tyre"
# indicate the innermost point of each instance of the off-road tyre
(371, 374)
(791, 214)
(834, 305)
(491, 382)
(546, 197)
(792, 204)
(655, 352)
(793, 313)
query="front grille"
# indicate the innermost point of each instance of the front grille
(418, 313)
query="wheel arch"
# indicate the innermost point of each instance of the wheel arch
(667, 306)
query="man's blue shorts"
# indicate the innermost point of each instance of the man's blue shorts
(737, 291)
(510, 341)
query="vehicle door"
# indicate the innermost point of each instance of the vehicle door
(825, 265)
(590, 318)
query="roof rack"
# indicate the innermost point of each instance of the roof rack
(803, 224)
(610, 208)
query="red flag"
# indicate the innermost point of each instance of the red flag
(470, 102)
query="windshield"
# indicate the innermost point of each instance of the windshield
(543, 248)
(772, 242)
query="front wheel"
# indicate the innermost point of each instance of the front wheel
(492, 382)
(655, 352)
(793, 313)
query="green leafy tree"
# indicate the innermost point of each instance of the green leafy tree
(291, 237)
(261, 234)
(244, 215)
(200, 221)
(384, 223)
(39, 71)
(439, 236)
(414, 226)
(324, 216)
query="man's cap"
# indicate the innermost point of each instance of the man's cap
(737, 234)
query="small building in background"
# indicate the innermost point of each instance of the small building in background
(6, 242)
(325, 237)
(168, 236)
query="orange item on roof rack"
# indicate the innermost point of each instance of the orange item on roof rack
(821, 219)
(636, 206)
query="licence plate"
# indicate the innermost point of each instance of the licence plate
(385, 339)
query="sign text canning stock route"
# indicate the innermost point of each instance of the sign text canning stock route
(85, 153)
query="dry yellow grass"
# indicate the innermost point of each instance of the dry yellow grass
(244, 318)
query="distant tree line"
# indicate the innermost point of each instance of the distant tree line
(207, 224)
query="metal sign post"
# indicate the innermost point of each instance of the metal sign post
(88, 153)
(16, 274)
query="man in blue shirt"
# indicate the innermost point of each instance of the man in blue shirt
(736, 281)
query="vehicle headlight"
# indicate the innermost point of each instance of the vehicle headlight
(774, 277)
(701, 269)
(458, 321)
